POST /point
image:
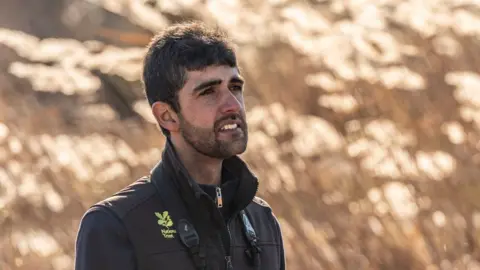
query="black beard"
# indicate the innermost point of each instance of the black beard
(204, 140)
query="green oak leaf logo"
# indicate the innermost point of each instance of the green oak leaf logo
(164, 219)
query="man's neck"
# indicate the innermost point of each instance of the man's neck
(203, 169)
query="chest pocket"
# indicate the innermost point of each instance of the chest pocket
(165, 249)
(189, 252)
(174, 254)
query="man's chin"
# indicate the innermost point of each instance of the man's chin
(238, 147)
(232, 148)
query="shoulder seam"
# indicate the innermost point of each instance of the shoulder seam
(261, 202)
(107, 210)
(142, 201)
(105, 204)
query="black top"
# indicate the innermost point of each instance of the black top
(96, 222)
(104, 237)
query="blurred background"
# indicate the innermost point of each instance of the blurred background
(364, 120)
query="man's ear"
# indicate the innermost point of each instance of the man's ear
(165, 116)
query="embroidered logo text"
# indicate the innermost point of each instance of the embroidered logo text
(165, 221)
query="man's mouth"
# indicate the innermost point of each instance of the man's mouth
(228, 127)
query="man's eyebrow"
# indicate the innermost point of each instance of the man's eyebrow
(214, 82)
(237, 80)
(206, 84)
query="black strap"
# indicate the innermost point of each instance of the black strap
(189, 237)
(253, 252)
(185, 230)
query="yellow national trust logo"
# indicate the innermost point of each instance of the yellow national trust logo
(165, 221)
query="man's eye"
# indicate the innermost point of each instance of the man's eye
(207, 91)
(237, 88)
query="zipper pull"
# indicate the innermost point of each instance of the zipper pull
(219, 197)
(228, 261)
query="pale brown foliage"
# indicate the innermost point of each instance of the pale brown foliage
(364, 120)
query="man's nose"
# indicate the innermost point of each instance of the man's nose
(230, 103)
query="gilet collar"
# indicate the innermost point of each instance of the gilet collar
(248, 183)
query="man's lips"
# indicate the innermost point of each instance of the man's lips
(229, 124)
(229, 127)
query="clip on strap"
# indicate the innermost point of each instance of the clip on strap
(190, 238)
(254, 251)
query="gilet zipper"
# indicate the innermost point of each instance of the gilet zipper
(227, 250)
(219, 199)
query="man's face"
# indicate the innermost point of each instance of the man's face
(212, 114)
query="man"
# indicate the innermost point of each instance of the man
(197, 209)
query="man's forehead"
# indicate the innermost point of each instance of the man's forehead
(212, 73)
